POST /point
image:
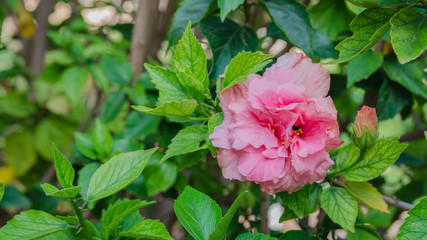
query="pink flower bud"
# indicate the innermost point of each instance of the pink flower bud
(366, 117)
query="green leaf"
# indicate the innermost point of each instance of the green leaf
(304, 201)
(69, 192)
(368, 194)
(99, 76)
(117, 213)
(377, 158)
(102, 140)
(287, 215)
(59, 57)
(409, 75)
(84, 144)
(139, 125)
(292, 20)
(31, 224)
(331, 17)
(340, 206)
(221, 228)
(73, 80)
(254, 236)
(190, 159)
(189, 139)
(226, 40)
(392, 100)
(53, 130)
(296, 235)
(226, 6)
(408, 34)
(64, 170)
(120, 171)
(240, 66)
(197, 212)
(67, 234)
(85, 174)
(189, 10)
(183, 108)
(193, 87)
(365, 232)
(363, 66)
(367, 27)
(112, 106)
(1, 191)
(159, 177)
(167, 83)
(375, 3)
(190, 54)
(347, 156)
(16, 105)
(414, 226)
(20, 151)
(148, 229)
(119, 72)
(214, 121)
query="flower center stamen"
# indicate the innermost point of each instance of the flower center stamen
(296, 131)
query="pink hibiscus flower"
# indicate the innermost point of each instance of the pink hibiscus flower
(278, 127)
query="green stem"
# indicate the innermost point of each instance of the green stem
(201, 119)
(82, 220)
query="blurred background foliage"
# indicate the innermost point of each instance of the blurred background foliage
(66, 65)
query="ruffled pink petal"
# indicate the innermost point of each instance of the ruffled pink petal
(255, 167)
(228, 160)
(311, 168)
(311, 75)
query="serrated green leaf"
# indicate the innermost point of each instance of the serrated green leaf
(67, 234)
(226, 6)
(221, 228)
(183, 108)
(340, 206)
(409, 75)
(214, 121)
(189, 10)
(167, 83)
(31, 224)
(1, 191)
(112, 106)
(120, 171)
(64, 170)
(368, 194)
(367, 27)
(102, 140)
(254, 236)
(408, 34)
(148, 229)
(331, 17)
(415, 224)
(304, 201)
(193, 87)
(117, 213)
(347, 156)
(190, 54)
(363, 66)
(84, 144)
(85, 174)
(240, 66)
(197, 212)
(377, 158)
(226, 40)
(69, 192)
(189, 139)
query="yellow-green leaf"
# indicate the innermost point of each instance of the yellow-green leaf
(368, 194)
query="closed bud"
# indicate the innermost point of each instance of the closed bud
(366, 118)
